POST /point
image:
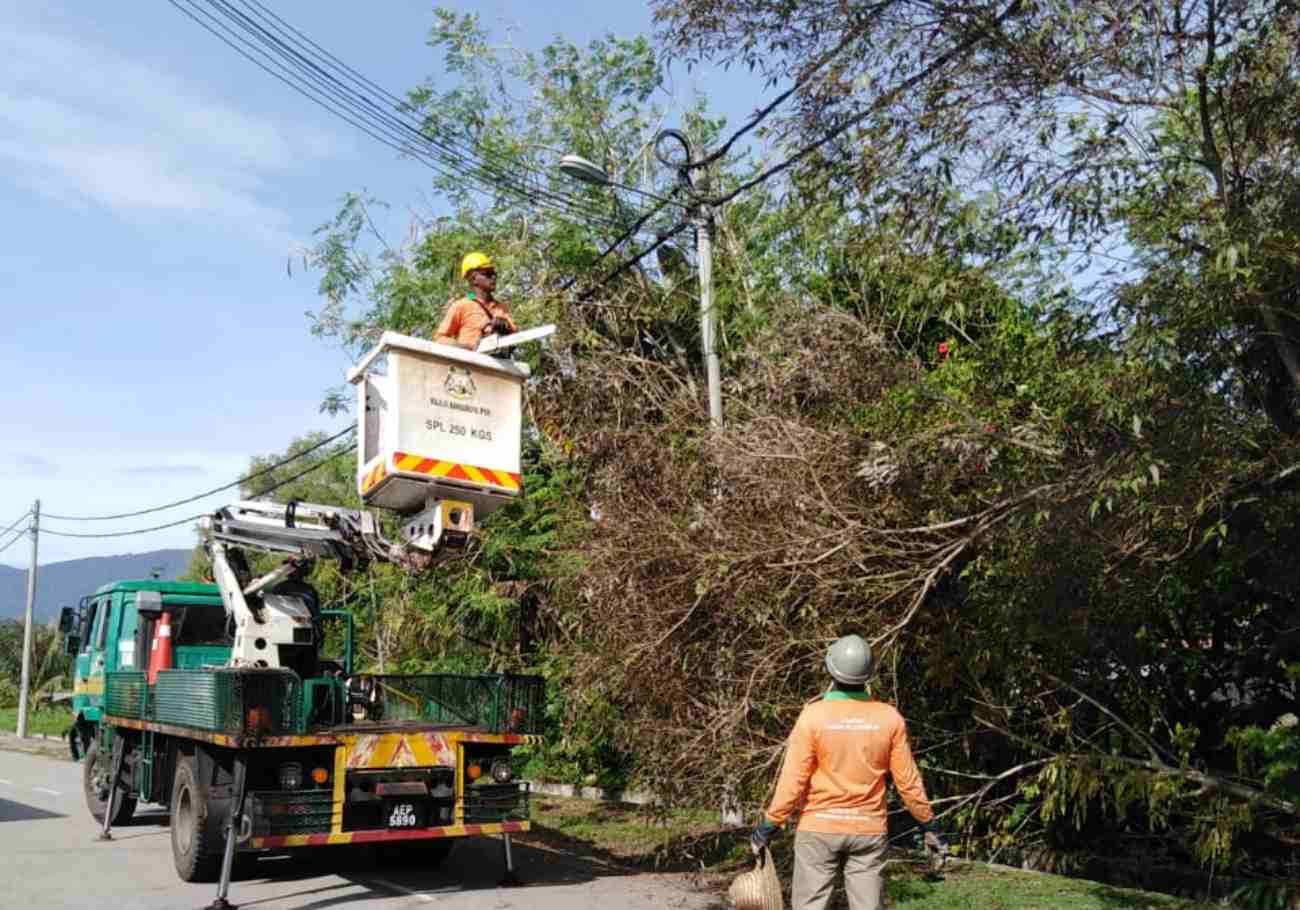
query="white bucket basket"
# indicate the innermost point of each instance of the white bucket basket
(436, 422)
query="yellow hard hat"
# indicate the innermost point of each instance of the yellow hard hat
(474, 261)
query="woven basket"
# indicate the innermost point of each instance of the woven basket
(759, 888)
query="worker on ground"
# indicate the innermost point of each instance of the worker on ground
(841, 748)
(478, 313)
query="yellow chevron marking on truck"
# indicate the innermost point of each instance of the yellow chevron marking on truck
(398, 750)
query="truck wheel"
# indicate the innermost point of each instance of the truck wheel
(95, 773)
(196, 831)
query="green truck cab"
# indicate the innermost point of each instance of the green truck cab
(105, 634)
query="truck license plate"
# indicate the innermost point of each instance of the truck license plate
(403, 815)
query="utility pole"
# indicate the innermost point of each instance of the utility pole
(698, 188)
(28, 625)
(708, 314)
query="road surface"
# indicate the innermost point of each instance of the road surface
(50, 858)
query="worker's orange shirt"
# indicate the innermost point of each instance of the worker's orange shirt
(835, 765)
(466, 319)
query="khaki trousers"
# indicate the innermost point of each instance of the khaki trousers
(818, 857)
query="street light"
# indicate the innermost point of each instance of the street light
(580, 168)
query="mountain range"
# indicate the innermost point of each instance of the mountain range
(61, 584)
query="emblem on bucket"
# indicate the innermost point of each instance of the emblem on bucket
(459, 383)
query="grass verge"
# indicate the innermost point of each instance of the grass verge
(634, 837)
(50, 721)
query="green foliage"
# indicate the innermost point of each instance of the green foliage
(51, 669)
(1271, 755)
(8, 693)
(45, 721)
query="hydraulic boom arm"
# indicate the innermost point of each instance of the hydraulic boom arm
(277, 616)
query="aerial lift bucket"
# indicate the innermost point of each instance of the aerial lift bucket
(438, 432)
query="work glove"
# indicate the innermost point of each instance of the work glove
(763, 832)
(934, 843)
(498, 326)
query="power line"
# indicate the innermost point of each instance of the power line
(399, 104)
(761, 115)
(170, 524)
(13, 540)
(180, 502)
(308, 91)
(628, 263)
(305, 471)
(20, 519)
(191, 518)
(622, 238)
(325, 80)
(322, 64)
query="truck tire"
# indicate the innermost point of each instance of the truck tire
(195, 829)
(95, 772)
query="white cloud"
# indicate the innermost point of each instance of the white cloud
(85, 125)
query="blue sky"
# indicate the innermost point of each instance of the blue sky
(154, 186)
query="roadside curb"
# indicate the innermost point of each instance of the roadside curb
(35, 744)
(635, 797)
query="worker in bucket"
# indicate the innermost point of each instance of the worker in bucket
(841, 748)
(478, 313)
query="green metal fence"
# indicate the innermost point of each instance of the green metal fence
(241, 702)
(503, 703)
(126, 694)
(248, 702)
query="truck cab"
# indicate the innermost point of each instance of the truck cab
(108, 632)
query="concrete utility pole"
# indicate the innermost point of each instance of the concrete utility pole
(697, 188)
(28, 625)
(708, 314)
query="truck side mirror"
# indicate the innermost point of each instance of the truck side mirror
(67, 616)
(71, 645)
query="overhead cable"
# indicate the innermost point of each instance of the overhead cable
(354, 85)
(313, 93)
(628, 263)
(21, 518)
(269, 42)
(261, 472)
(398, 104)
(191, 518)
(17, 537)
(170, 524)
(762, 114)
(622, 238)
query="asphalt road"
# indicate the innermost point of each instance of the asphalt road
(50, 858)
